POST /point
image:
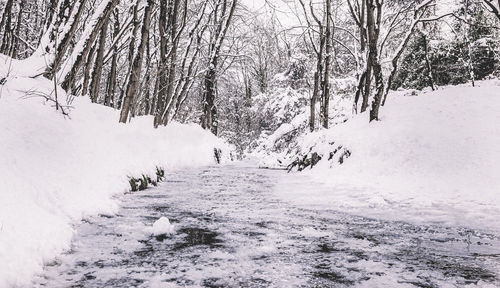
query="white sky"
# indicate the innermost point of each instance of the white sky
(284, 9)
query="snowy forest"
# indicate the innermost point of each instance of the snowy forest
(249, 143)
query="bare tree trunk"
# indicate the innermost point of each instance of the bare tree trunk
(155, 97)
(134, 77)
(209, 107)
(82, 49)
(147, 93)
(6, 26)
(97, 72)
(15, 37)
(131, 53)
(162, 63)
(173, 63)
(360, 90)
(368, 85)
(358, 13)
(326, 78)
(430, 74)
(66, 39)
(493, 9)
(314, 97)
(49, 14)
(87, 70)
(209, 118)
(470, 65)
(109, 99)
(373, 34)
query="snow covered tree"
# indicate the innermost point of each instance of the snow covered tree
(223, 11)
(135, 73)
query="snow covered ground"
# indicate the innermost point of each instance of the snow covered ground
(433, 158)
(55, 169)
(233, 229)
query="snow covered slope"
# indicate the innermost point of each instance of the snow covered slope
(433, 157)
(55, 170)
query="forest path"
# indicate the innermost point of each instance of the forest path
(233, 230)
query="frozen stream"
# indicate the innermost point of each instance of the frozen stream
(233, 230)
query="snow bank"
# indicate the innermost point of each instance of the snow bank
(433, 158)
(55, 170)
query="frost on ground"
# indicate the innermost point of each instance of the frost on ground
(55, 170)
(237, 231)
(433, 158)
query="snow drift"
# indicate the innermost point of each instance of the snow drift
(56, 169)
(433, 158)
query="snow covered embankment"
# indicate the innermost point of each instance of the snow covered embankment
(433, 158)
(55, 170)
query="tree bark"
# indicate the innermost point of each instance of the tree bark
(64, 40)
(97, 72)
(173, 63)
(209, 118)
(87, 70)
(326, 78)
(134, 77)
(430, 74)
(373, 34)
(493, 9)
(15, 37)
(162, 63)
(109, 99)
(6, 24)
(82, 49)
(358, 13)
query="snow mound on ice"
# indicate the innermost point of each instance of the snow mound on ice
(162, 226)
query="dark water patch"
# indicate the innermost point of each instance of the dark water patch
(485, 255)
(332, 276)
(213, 283)
(257, 282)
(252, 234)
(327, 248)
(450, 266)
(420, 284)
(161, 208)
(363, 236)
(89, 276)
(198, 236)
(81, 264)
(262, 224)
(114, 234)
(123, 282)
(260, 257)
(161, 237)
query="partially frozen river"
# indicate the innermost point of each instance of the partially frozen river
(234, 230)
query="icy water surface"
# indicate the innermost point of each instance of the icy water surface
(233, 231)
